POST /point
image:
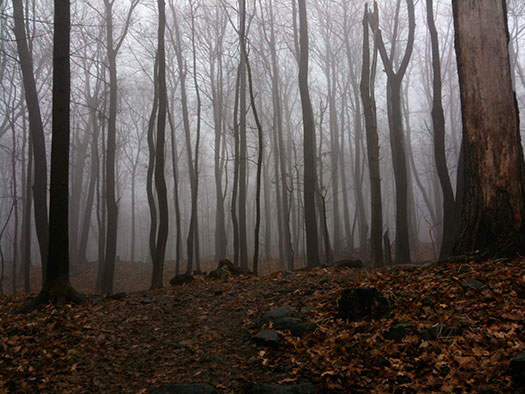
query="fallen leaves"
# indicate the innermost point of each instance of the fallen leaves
(195, 333)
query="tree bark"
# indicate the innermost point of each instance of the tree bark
(397, 140)
(310, 174)
(372, 140)
(36, 129)
(494, 173)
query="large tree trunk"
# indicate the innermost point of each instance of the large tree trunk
(57, 287)
(37, 134)
(494, 173)
(310, 174)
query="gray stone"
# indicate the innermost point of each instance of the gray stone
(296, 326)
(267, 338)
(473, 284)
(185, 389)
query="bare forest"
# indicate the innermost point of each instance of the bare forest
(145, 143)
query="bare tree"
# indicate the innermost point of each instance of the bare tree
(312, 249)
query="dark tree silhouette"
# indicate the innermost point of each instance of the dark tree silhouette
(310, 178)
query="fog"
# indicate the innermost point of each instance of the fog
(211, 130)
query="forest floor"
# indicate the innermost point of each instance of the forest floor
(202, 332)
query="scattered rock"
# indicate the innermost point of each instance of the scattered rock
(226, 267)
(185, 389)
(282, 311)
(439, 331)
(118, 296)
(280, 389)
(296, 326)
(362, 303)
(473, 284)
(517, 370)
(349, 263)
(180, 280)
(267, 338)
(399, 331)
(146, 301)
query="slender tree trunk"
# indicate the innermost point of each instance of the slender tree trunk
(160, 181)
(397, 140)
(36, 129)
(438, 125)
(372, 140)
(310, 174)
(243, 158)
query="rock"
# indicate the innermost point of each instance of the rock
(118, 296)
(439, 331)
(362, 303)
(180, 280)
(517, 370)
(349, 263)
(226, 267)
(146, 301)
(218, 273)
(289, 273)
(473, 284)
(399, 331)
(267, 338)
(282, 311)
(185, 389)
(296, 326)
(281, 389)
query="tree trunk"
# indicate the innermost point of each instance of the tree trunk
(37, 134)
(494, 173)
(397, 140)
(57, 287)
(310, 174)
(372, 141)
(160, 181)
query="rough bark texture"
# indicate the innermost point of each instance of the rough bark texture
(494, 175)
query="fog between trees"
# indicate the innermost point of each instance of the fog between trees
(224, 103)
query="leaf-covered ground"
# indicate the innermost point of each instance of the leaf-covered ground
(201, 332)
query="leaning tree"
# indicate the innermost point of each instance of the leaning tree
(494, 171)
